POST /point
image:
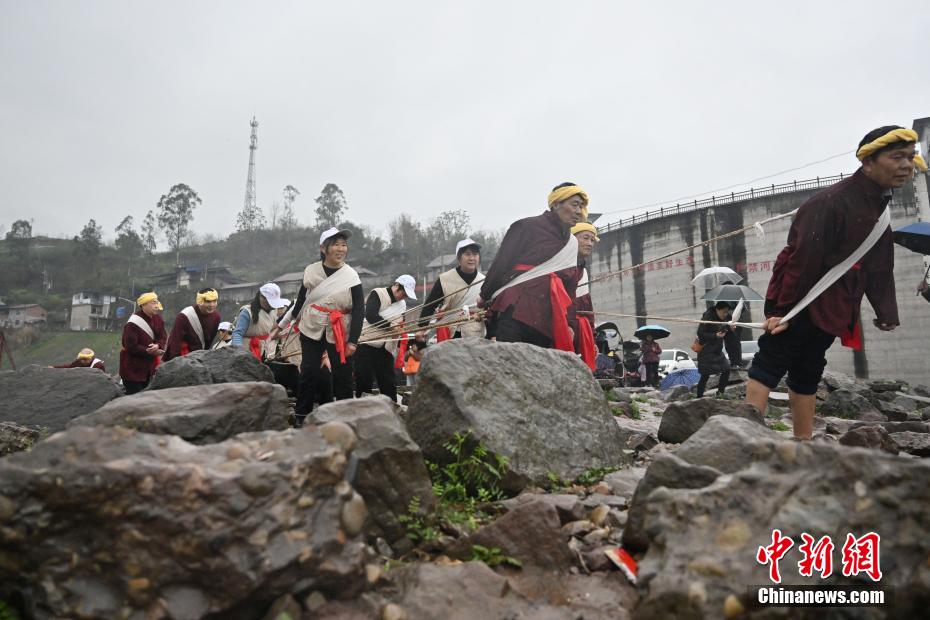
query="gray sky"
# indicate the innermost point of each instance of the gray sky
(425, 106)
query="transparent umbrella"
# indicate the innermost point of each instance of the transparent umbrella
(713, 276)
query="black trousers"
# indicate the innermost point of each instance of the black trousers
(721, 385)
(133, 387)
(375, 363)
(511, 330)
(310, 373)
(652, 373)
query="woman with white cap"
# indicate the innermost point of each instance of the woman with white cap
(385, 307)
(223, 336)
(329, 311)
(456, 290)
(257, 319)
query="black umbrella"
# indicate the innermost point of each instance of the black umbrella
(732, 293)
(915, 237)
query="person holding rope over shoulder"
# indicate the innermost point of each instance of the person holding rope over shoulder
(143, 344)
(385, 306)
(586, 234)
(223, 336)
(329, 311)
(195, 326)
(832, 228)
(256, 320)
(456, 291)
(531, 283)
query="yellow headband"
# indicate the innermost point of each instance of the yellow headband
(210, 295)
(145, 298)
(895, 135)
(585, 227)
(86, 354)
(564, 193)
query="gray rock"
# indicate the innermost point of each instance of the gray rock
(886, 385)
(681, 420)
(874, 437)
(227, 365)
(200, 414)
(917, 444)
(834, 380)
(391, 471)
(15, 438)
(667, 470)
(921, 390)
(912, 426)
(843, 403)
(619, 396)
(703, 542)
(678, 392)
(539, 408)
(568, 507)
(110, 522)
(893, 411)
(48, 398)
(530, 533)
(638, 435)
(906, 403)
(624, 482)
(918, 401)
(728, 444)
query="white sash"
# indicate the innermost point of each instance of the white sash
(471, 295)
(139, 322)
(583, 287)
(96, 361)
(194, 320)
(395, 310)
(344, 278)
(563, 259)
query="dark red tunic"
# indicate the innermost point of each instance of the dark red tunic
(530, 241)
(183, 336)
(826, 230)
(134, 363)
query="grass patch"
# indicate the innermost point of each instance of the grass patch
(594, 475)
(635, 412)
(62, 347)
(493, 556)
(780, 426)
(640, 398)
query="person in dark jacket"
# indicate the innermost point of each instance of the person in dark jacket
(712, 360)
(85, 359)
(143, 344)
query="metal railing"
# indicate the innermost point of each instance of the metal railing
(713, 201)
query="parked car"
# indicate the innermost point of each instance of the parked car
(674, 359)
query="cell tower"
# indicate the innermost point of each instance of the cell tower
(250, 202)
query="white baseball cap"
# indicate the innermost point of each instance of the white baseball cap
(464, 243)
(272, 293)
(409, 285)
(225, 326)
(332, 232)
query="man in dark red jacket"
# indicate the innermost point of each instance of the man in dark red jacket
(143, 344)
(827, 229)
(85, 359)
(195, 326)
(539, 310)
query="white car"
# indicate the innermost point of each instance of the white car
(749, 348)
(674, 359)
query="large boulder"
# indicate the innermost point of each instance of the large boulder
(844, 403)
(874, 437)
(14, 438)
(917, 444)
(48, 398)
(200, 414)
(703, 542)
(391, 473)
(539, 408)
(113, 523)
(681, 420)
(226, 365)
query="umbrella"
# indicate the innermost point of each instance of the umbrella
(914, 237)
(732, 293)
(657, 332)
(682, 376)
(712, 276)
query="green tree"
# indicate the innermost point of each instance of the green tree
(149, 233)
(21, 229)
(91, 238)
(175, 213)
(128, 241)
(250, 219)
(331, 204)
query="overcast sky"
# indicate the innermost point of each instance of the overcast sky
(426, 106)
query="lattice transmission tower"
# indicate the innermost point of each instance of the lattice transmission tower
(250, 202)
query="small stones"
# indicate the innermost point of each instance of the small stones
(354, 514)
(732, 607)
(339, 434)
(599, 514)
(393, 611)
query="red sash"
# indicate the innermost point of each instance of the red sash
(560, 302)
(339, 330)
(401, 352)
(853, 337)
(586, 343)
(255, 346)
(442, 334)
(185, 349)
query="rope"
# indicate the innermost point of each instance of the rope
(756, 225)
(674, 319)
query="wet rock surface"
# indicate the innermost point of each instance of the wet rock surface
(200, 414)
(681, 420)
